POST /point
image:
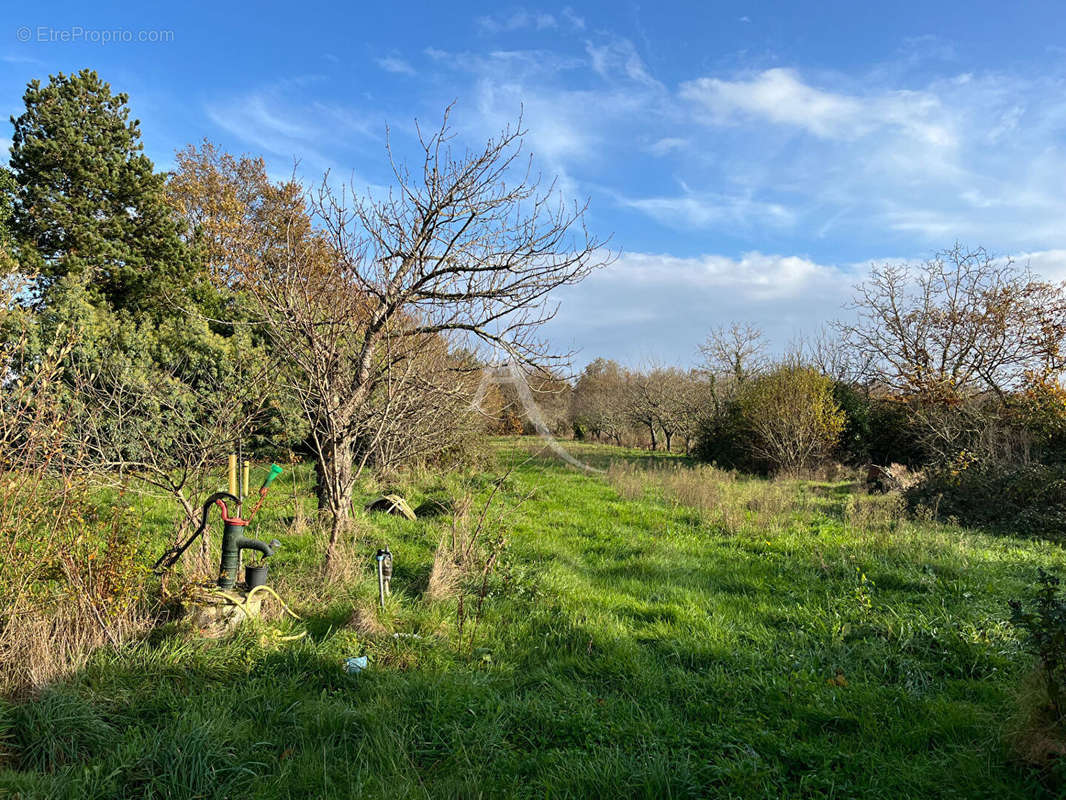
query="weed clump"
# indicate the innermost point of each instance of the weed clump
(364, 621)
(1044, 626)
(469, 554)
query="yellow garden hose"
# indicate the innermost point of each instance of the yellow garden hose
(242, 603)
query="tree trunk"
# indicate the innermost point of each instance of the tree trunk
(337, 527)
(321, 494)
(654, 442)
(336, 481)
(669, 436)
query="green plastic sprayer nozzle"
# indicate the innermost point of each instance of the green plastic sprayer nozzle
(275, 470)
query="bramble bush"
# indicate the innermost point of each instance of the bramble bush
(877, 430)
(1019, 498)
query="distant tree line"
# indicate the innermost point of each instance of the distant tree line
(952, 367)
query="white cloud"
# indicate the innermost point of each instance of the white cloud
(252, 119)
(558, 133)
(18, 58)
(895, 159)
(649, 306)
(928, 47)
(885, 161)
(668, 145)
(1047, 264)
(570, 130)
(975, 157)
(1006, 123)
(660, 307)
(518, 20)
(618, 57)
(575, 22)
(709, 210)
(754, 275)
(396, 65)
(780, 96)
(537, 67)
(278, 121)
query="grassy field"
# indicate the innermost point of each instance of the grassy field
(654, 630)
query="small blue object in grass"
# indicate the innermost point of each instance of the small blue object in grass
(355, 665)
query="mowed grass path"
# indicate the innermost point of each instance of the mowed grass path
(629, 648)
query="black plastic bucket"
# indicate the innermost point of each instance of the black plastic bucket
(255, 575)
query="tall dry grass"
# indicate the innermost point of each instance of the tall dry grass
(458, 555)
(866, 512)
(729, 502)
(717, 495)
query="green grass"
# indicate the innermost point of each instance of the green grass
(631, 646)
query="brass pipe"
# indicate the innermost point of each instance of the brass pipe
(233, 474)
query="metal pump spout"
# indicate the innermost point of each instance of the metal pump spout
(256, 544)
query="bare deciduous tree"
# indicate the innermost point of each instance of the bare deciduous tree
(669, 398)
(598, 402)
(833, 356)
(423, 410)
(642, 400)
(731, 356)
(738, 351)
(469, 247)
(547, 389)
(692, 404)
(960, 322)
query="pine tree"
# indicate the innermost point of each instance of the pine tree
(7, 236)
(89, 205)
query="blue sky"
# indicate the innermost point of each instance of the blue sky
(750, 158)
